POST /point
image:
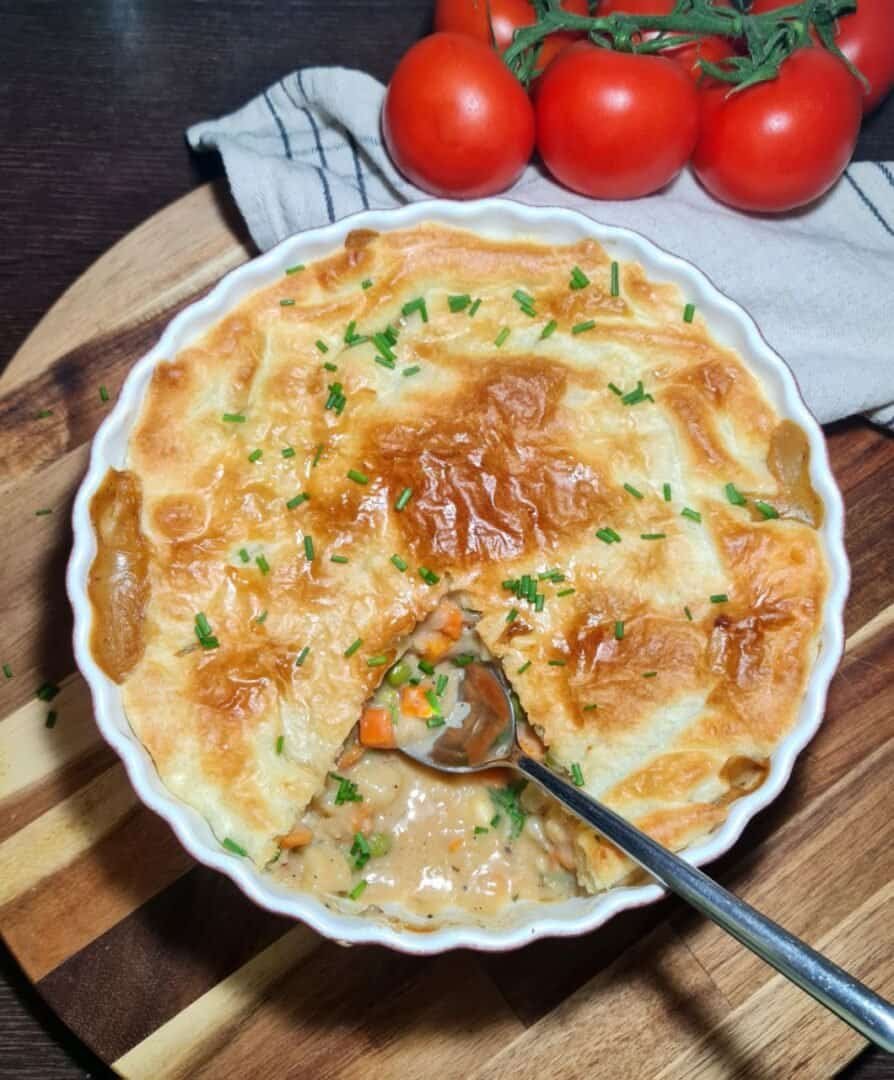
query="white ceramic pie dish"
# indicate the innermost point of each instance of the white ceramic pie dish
(499, 218)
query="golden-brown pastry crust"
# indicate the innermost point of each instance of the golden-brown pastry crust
(515, 456)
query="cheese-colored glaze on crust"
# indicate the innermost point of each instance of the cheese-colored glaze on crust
(515, 455)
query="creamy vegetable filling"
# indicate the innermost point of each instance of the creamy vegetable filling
(388, 831)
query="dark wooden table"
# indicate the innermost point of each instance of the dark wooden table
(95, 96)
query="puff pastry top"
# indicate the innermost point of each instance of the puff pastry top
(516, 455)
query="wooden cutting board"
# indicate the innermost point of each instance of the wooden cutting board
(166, 970)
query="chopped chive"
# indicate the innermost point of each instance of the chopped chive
(459, 303)
(294, 269)
(512, 615)
(280, 743)
(244, 555)
(287, 302)
(619, 630)
(390, 334)
(43, 414)
(339, 558)
(414, 369)
(608, 536)
(360, 851)
(495, 821)
(652, 536)
(579, 279)
(329, 366)
(635, 396)
(46, 691)
(357, 891)
(309, 548)
(428, 576)
(473, 310)
(317, 455)
(357, 476)
(522, 297)
(688, 613)
(403, 498)
(400, 563)
(441, 685)
(718, 598)
(463, 660)
(734, 495)
(237, 849)
(347, 790)
(262, 618)
(366, 283)
(688, 312)
(435, 721)
(385, 362)
(256, 455)
(416, 305)
(233, 418)
(557, 663)
(426, 667)
(766, 509)
(615, 284)
(52, 717)
(302, 656)
(544, 575)
(383, 344)
(263, 565)
(501, 337)
(539, 601)
(666, 489)
(7, 671)
(564, 592)
(42, 512)
(297, 500)
(479, 830)
(376, 661)
(549, 329)
(616, 389)
(631, 490)
(576, 775)
(649, 674)
(591, 707)
(353, 647)
(693, 515)
(524, 667)
(288, 451)
(321, 345)
(103, 394)
(350, 332)
(432, 698)
(583, 327)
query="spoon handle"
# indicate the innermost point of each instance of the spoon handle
(846, 996)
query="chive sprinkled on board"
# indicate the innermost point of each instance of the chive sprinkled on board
(579, 279)
(295, 269)
(7, 671)
(583, 327)
(353, 647)
(631, 490)
(473, 310)
(44, 510)
(403, 498)
(719, 598)
(256, 455)
(357, 476)
(619, 630)
(288, 451)
(666, 490)
(262, 564)
(614, 280)
(500, 339)
(689, 313)
(309, 548)
(46, 691)
(417, 304)
(400, 563)
(549, 329)
(524, 667)
(576, 775)
(693, 515)
(339, 559)
(734, 496)
(103, 394)
(237, 849)
(297, 500)
(428, 576)
(302, 656)
(652, 536)
(233, 418)
(52, 717)
(43, 414)
(287, 302)
(765, 509)
(459, 302)
(280, 743)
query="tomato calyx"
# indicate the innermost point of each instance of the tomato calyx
(770, 37)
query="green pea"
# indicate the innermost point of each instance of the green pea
(399, 674)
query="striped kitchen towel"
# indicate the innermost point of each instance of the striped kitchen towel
(820, 282)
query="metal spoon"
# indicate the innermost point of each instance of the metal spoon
(488, 737)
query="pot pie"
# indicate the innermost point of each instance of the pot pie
(429, 450)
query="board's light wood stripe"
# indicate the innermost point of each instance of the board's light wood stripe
(758, 1037)
(30, 752)
(868, 631)
(58, 837)
(180, 1045)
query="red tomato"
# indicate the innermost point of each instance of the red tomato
(712, 47)
(614, 125)
(866, 37)
(455, 121)
(470, 17)
(782, 143)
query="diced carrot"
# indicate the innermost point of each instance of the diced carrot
(455, 844)
(449, 620)
(413, 702)
(300, 836)
(376, 728)
(349, 757)
(433, 645)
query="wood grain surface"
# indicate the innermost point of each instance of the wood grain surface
(165, 970)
